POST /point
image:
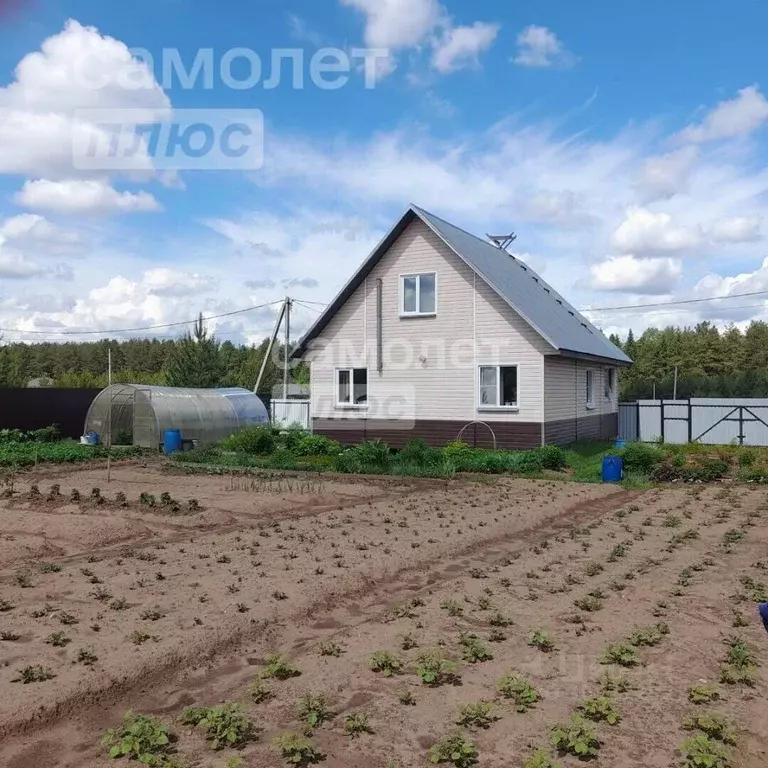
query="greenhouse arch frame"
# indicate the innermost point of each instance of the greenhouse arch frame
(139, 414)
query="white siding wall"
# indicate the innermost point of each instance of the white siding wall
(565, 389)
(432, 360)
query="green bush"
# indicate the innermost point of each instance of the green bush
(291, 437)
(366, 458)
(551, 457)
(317, 445)
(45, 435)
(257, 440)
(641, 457)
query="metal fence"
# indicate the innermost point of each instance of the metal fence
(712, 421)
(287, 413)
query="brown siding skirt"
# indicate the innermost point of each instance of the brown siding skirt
(602, 426)
(437, 433)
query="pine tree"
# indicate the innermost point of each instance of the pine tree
(195, 360)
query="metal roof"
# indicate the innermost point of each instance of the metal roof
(545, 310)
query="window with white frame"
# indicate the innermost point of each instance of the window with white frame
(498, 386)
(352, 387)
(590, 389)
(418, 294)
(610, 383)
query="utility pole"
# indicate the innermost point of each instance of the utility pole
(109, 416)
(286, 354)
(674, 391)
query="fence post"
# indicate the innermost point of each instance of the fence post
(741, 425)
(690, 421)
(662, 419)
(637, 422)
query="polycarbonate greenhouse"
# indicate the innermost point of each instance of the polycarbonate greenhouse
(141, 414)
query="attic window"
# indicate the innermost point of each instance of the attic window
(418, 295)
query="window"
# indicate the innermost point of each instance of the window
(590, 389)
(498, 386)
(418, 294)
(352, 386)
(610, 383)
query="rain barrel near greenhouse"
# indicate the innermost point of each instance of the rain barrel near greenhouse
(613, 469)
(171, 441)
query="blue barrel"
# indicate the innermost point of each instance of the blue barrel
(620, 444)
(92, 438)
(172, 441)
(613, 469)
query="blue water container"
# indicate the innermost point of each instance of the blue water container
(172, 441)
(620, 444)
(613, 469)
(92, 438)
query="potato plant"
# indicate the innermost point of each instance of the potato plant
(600, 709)
(357, 724)
(143, 738)
(714, 726)
(473, 650)
(33, 674)
(575, 738)
(279, 667)
(386, 663)
(296, 750)
(702, 752)
(312, 709)
(516, 687)
(455, 750)
(618, 653)
(434, 669)
(478, 714)
(225, 725)
(540, 759)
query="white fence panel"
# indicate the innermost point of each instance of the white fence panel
(287, 413)
(713, 421)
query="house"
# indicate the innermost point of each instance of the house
(443, 335)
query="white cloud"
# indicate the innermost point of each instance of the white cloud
(28, 230)
(643, 232)
(397, 23)
(83, 196)
(632, 275)
(462, 46)
(541, 47)
(715, 284)
(739, 116)
(667, 175)
(27, 238)
(739, 229)
(164, 281)
(76, 69)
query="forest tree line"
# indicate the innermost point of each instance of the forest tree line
(711, 362)
(196, 360)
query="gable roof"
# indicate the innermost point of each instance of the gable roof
(548, 313)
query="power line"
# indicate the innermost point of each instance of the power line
(306, 306)
(673, 303)
(142, 328)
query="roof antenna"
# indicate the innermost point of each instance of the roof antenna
(502, 241)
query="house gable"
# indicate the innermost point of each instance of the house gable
(431, 362)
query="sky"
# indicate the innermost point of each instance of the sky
(626, 144)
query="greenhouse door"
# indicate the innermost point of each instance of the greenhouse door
(144, 425)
